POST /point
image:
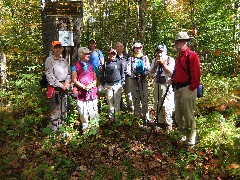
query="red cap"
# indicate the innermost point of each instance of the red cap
(54, 43)
(112, 51)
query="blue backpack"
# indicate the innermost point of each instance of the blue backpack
(140, 66)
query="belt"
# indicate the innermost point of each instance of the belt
(180, 85)
(113, 83)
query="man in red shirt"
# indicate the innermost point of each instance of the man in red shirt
(186, 80)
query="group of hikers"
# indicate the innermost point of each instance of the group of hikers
(175, 87)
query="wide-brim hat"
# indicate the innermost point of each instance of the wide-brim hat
(182, 36)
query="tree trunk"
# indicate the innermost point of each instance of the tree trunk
(236, 7)
(3, 77)
(49, 31)
(77, 24)
(127, 15)
(142, 11)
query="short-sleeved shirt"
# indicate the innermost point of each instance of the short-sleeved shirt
(95, 58)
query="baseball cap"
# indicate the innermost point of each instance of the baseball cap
(112, 51)
(161, 47)
(182, 36)
(54, 43)
(137, 44)
(84, 50)
(92, 40)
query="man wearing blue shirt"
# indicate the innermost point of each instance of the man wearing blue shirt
(96, 56)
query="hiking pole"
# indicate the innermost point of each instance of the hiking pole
(61, 102)
(66, 105)
(160, 70)
(113, 104)
(164, 97)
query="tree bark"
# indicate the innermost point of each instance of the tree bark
(142, 12)
(3, 77)
(49, 31)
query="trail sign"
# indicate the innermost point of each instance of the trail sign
(64, 8)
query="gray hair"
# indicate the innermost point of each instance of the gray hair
(119, 43)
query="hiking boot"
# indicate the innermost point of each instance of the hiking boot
(183, 138)
(189, 147)
(169, 128)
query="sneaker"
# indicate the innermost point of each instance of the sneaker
(183, 138)
(65, 135)
(190, 147)
(169, 128)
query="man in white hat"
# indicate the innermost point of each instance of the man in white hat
(186, 79)
(138, 69)
(162, 67)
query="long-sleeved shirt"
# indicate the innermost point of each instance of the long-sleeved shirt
(57, 71)
(124, 59)
(132, 66)
(181, 76)
(170, 66)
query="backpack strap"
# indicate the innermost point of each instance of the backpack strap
(98, 52)
(131, 61)
(168, 60)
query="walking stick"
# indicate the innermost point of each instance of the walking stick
(164, 97)
(113, 104)
(160, 70)
(66, 106)
(61, 99)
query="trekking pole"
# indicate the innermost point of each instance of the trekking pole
(160, 70)
(164, 97)
(113, 103)
(66, 106)
(61, 99)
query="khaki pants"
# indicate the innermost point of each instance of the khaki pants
(127, 92)
(139, 89)
(184, 112)
(165, 114)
